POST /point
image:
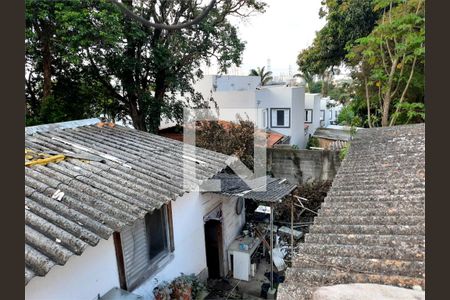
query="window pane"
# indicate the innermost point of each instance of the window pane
(156, 232)
(280, 117)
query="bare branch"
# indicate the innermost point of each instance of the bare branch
(161, 26)
(404, 91)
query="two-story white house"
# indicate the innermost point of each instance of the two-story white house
(331, 109)
(278, 108)
(312, 112)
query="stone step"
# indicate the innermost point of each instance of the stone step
(289, 290)
(369, 229)
(347, 186)
(415, 253)
(365, 239)
(368, 174)
(343, 205)
(378, 180)
(378, 192)
(405, 211)
(374, 198)
(321, 277)
(390, 267)
(369, 220)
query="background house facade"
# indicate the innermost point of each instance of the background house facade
(279, 108)
(312, 112)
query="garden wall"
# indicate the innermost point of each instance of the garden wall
(300, 166)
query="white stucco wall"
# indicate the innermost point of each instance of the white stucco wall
(323, 106)
(298, 118)
(286, 97)
(81, 278)
(95, 271)
(189, 237)
(312, 101)
(236, 83)
(239, 95)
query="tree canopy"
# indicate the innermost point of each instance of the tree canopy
(123, 66)
(382, 43)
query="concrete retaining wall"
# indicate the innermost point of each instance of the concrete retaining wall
(301, 166)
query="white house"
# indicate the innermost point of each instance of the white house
(312, 112)
(332, 108)
(278, 108)
(107, 208)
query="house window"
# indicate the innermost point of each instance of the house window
(308, 115)
(331, 115)
(335, 114)
(280, 117)
(322, 115)
(145, 247)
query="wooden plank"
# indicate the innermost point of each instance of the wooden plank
(120, 261)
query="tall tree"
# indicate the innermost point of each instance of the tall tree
(265, 77)
(389, 57)
(140, 69)
(347, 20)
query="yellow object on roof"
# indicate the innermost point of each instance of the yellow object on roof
(32, 158)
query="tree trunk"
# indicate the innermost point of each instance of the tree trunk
(137, 117)
(43, 30)
(155, 110)
(368, 102)
(388, 95)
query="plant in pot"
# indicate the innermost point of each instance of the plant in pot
(182, 288)
(162, 291)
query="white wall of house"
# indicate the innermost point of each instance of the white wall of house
(189, 238)
(81, 278)
(242, 95)
(298, 135)
(323, 106)
(312, 102)
(95, 272)
(236, 83)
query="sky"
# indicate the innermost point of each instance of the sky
(279, 34)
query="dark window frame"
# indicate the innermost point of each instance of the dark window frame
(156, 263)
(312, 117)
(277, 109)
(322, 115)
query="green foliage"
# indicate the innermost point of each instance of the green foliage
(137, 69)
(231, 138)
(182, 287)
(348, 117)
(347, 20)
(312, 142)
(390, 60)
(344, 151)
(266, 77)
(315, 87)
(410, 113)
(382, 43)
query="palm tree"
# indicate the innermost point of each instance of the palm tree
(308, 77)
(265, 76)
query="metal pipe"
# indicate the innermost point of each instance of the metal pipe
(292, 228)
(271, 246)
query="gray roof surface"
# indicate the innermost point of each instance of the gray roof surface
(271, 190)
(110, 177)
(332, 134)
(371, 226)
